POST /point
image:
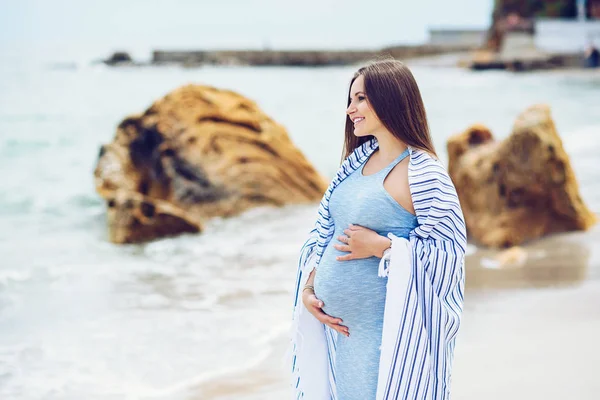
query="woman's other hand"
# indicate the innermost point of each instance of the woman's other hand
(361, 242)
(314, 306)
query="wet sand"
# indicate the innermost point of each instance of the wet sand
(530, 329)
(268, 380)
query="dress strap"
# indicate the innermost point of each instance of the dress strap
(401, 157)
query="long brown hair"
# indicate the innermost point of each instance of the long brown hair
(394, 96)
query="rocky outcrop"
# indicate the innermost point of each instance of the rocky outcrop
(518, 189)
(119, 58)
(195, 154)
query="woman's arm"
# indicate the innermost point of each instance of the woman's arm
(311, 278)
(315, 305)
(361, 242)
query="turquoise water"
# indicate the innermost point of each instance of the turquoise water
(82, 318)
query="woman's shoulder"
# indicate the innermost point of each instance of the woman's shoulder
(429, 179)
(422, 161)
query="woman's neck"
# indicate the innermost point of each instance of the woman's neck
(390, 147)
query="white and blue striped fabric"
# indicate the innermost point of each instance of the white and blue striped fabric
(417, 350)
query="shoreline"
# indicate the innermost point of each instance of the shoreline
(519, 303)
(265, 380)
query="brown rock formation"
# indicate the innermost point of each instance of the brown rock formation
(198, 153)
(517, 189)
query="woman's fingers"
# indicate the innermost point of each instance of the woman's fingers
(342, 247)
(347, 257)
(333, 322)
(350, 231)
(328, 319)
(339, 328)
(314, 306)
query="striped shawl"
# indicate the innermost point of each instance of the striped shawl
(419, 334)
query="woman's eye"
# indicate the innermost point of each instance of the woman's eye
(361, 98)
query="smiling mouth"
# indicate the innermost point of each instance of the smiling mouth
(358, 122)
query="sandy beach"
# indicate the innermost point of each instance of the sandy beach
(530, 328)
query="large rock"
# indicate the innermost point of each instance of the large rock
(517, 189)
(198, 153)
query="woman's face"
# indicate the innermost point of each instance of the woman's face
(360, 113)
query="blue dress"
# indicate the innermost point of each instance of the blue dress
(352, 290)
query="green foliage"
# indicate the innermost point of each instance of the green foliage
(537, 8)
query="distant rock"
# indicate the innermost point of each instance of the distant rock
(518, 189)
(118, 58)
(198, 153)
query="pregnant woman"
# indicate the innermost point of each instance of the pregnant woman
(380, 282)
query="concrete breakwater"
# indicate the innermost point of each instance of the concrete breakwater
(485, 60)
(283, 57)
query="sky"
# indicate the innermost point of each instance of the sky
(134, 25)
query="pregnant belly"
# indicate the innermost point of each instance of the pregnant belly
(352, 291)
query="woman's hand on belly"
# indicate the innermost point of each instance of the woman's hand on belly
(361, 242)
(314, 306)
